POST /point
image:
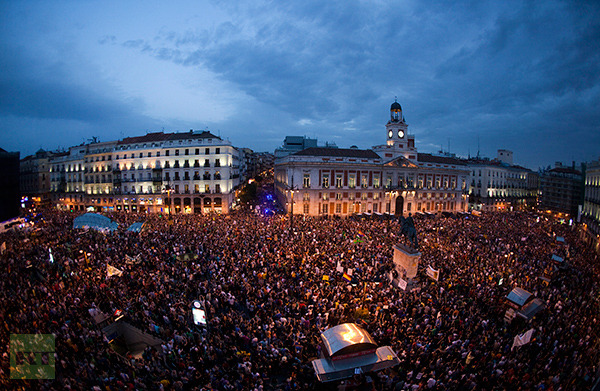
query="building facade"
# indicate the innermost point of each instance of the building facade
(10, 195)
(590, 216)
(562, 190)
(390, 178)
(191, 172)
(35, 178)
(499, 185)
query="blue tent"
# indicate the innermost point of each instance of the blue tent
(136, 227)
(95, 221)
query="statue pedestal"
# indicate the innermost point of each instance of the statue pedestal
(406, 261)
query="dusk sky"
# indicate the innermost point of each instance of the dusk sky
(522, 76)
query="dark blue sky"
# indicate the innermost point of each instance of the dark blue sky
(522, 76)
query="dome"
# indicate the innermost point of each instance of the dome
(395, 106)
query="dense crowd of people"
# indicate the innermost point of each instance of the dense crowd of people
(267, 302)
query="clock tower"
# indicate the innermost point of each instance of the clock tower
(399, 142)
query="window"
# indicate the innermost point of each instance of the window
(217, 188)
(186, 176)
(177, 189)
(325, 183)
(306, 208)
(217, 150)
(149, 154)
(177, 152)
(196, 188)
(338, 180)
(338, 208)
(187, 151)
(141, 155)
(217, 162)
(306, 196)
(207, 188)
(197, 151)
(177, 176)
(324, 208)
(117, 157)
(158, 154)
(306, 181)
(363, 196)
(206, 163)
(376, 182)
(187, 189)
(338, 196)
(325, 196)
(207, 151)
(364, 181)
(167, 152)
(352, 181)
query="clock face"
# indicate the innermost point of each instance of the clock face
(390, 134)
(400, 133)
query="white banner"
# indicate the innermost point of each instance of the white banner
(431, 272)
(402, 284)
(522, 339)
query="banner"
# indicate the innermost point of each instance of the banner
(431, 272)
(113, 271)
(522, 339)
(402, 284)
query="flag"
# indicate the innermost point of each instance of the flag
(350, 272)
(347, 277)
(361, 234)
(51, 257)
(431, 272)
(113, 271)
(522, 339)
(326, 278)
(339, 268)
(3, 248)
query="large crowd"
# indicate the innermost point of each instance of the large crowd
(263, 287)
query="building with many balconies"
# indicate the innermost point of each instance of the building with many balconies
(190, 172)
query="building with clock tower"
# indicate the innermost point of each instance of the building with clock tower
(389, 178)
(399, 142)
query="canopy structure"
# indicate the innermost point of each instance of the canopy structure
(530, 309)
(351, 350)
(518, 296)
(136, 227)
(95, 221)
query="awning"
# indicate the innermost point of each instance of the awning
(531, 309)
(518, 296)
(328, 370)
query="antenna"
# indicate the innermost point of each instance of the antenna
(477, 146)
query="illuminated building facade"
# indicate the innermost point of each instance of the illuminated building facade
(191, 172)
(390, 178)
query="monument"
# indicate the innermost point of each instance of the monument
(406, 258)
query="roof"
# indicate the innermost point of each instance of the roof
(428, 158)
(565, 170)
(531, 309)
(95, 221)
(346, 338)
(338, 152)
(328, 370)
(160, 136)
(519, 296)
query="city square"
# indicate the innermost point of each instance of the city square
(263, 287)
